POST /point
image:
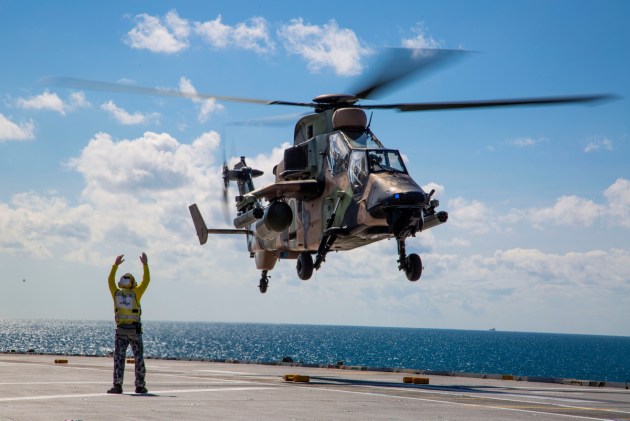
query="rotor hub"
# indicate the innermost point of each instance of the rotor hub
(341, 99)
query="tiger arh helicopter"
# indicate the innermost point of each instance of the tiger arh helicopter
(338, 187)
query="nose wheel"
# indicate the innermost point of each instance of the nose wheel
(414, 267)
(411, 265)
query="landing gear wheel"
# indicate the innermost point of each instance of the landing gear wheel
(414, 267)
(264, 282)
(304, 266)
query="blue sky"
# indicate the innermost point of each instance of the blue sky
(539, 198)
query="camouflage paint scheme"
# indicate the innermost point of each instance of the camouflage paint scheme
(311, 214)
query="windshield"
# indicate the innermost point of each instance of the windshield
(364, 162)
(385, 160)
(362, 139)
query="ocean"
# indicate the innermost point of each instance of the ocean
(585, 357)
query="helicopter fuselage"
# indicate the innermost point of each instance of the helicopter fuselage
(360, 192)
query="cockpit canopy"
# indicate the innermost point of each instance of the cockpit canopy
(359, 154)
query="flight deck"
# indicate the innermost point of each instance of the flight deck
(48, 387)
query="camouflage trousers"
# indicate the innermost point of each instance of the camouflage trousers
(120, 351)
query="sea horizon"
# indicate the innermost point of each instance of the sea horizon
(578, 356)
(490, 329)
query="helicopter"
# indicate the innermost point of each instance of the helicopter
(338, 187)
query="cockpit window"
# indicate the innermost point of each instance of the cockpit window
(338, 154)
(385, 160)
(363, 139)
(358, 171)
(363, 162)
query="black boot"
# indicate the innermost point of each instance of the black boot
(141, 389)
(117, 389)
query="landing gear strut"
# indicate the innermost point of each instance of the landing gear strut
(412, 264)
(264, 282)
(329, 237)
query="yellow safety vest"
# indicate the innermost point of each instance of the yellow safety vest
(127, 307)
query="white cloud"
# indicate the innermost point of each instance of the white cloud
(252, 34)
(568, 210)
(168, 35)
(595, 145)
(472, 215)
(214, 32)
(124, 117)
(325, 46)
(573, 211)
(78, 100)
(206, 107)
(138, 192)
(39, 226)
(14, 131)
(135, 198)
(52, 101)
(525, 142)
(618, 196)
(44, 101)
(439, 189)
(172, 34)
(420, 39)
(580, 212)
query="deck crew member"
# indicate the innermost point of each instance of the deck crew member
(128, 324)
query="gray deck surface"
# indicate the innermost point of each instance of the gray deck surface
(34, 387)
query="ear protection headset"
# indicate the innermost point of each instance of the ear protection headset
(127, 281)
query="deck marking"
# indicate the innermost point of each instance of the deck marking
(503, 408)
(152, 392)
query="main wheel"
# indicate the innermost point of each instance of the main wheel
(414, 267)
(304, 266)
(264, 284)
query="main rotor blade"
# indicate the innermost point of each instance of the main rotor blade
(274, 121)
(93, 85)
(432, 106)
(398, 64)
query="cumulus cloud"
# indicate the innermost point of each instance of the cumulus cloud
(52, 101)
(160, 35)
(325, 46)
(472, 215)
(10, 130)
(439, 189)
(252, 34)
(172, 34)
(152, 163)
(618, 196)
(568, 210)
(126, 118)
(135, 197)
(39, 226)
(321, 46)
(580, 212)
(571, 211)
(525, 142)
(599, 144)
(420, 39)
(528, 275)
(205, 107)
